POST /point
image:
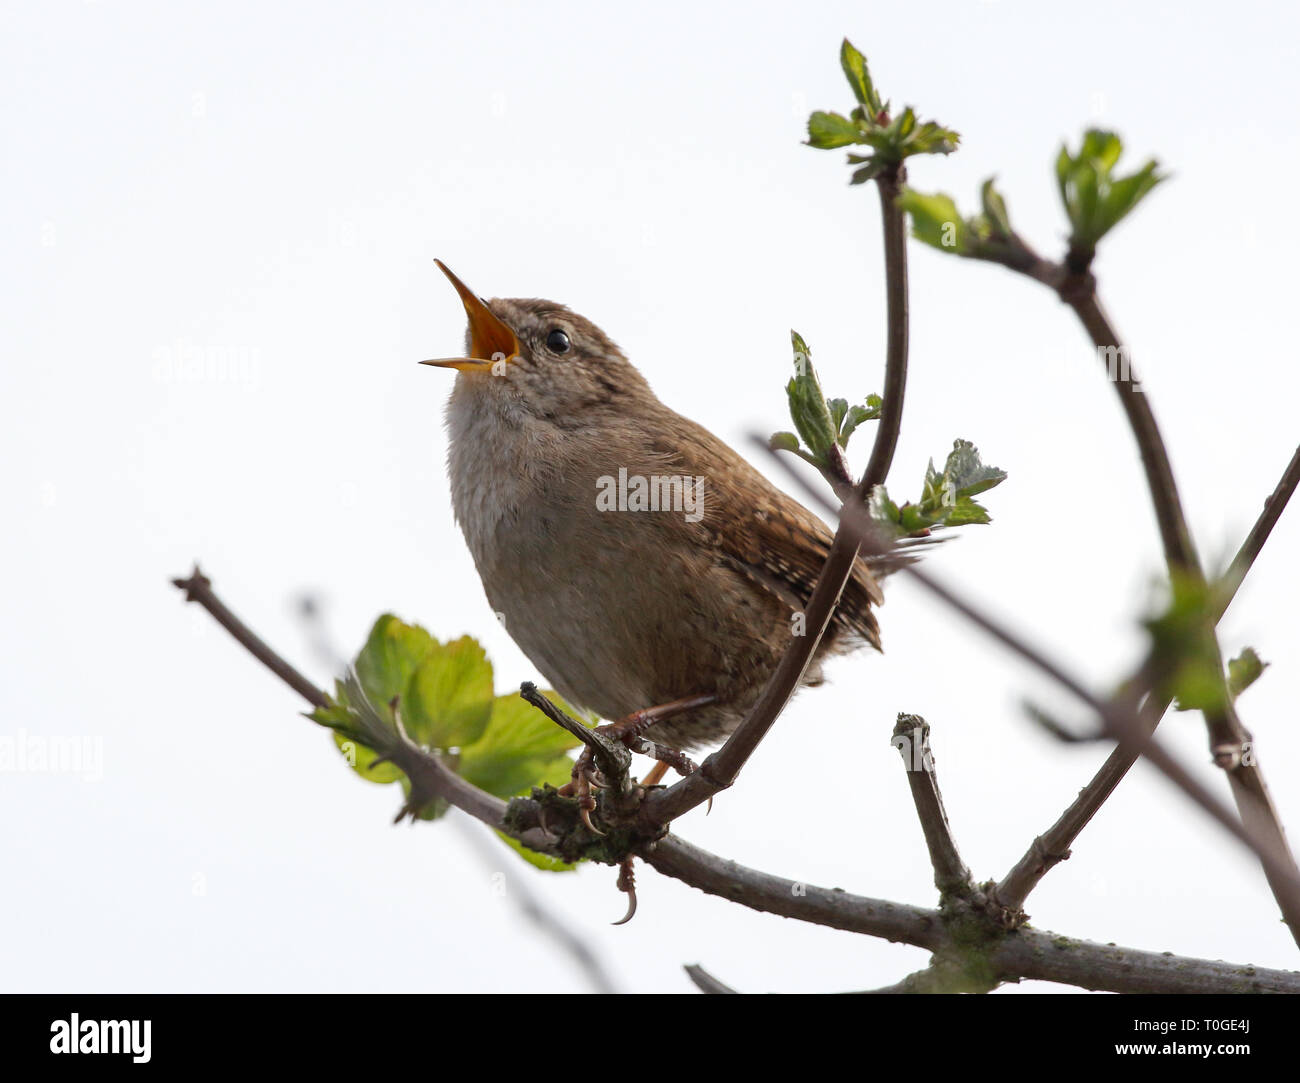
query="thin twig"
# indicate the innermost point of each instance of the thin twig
(1081, 295)
(611, 757)
(890, 423)
(912, 739)
(1053, 846)
(1254, 543)
(427, 773)
(706, 982)
(198, 588)
(719, 770)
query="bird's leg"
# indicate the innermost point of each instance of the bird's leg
(667, 757)
(635, 724)
(655, 775)
(629, 730)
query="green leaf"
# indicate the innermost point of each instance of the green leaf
(913, 520)
(935, 220)
(520, 748)
(868, 172)
(935, 489)
(857, 415)
(449, 697)
(826, 131)
(350, 738)
(838, 408)
(783, 441)
(1102, 148)
(946, 497)
(995, 211)
(965, 512)
(869, 124)
(1094, 199)
(445, 700)
(855, 71)
(361, 760)
(931, 138)
(881, 507)
(336, 715)
(390, 657)
(1184, 647)
(967, 474)
(1125, 194)
(1244, 670)
(541, 861)
(988, 235)
(808, 407)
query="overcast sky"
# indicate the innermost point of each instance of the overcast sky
(219, 224)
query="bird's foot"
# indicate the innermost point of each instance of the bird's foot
(629, 731)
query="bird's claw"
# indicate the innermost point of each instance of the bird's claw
(579, 786)
(627, 884)
(586, 806)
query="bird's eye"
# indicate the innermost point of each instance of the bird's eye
(557, 341)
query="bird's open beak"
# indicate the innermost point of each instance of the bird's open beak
(490, 340)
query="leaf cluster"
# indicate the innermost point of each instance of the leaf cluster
(442, 694)
(947, 496)
(1094, 200)
(822, 423)
(890, 139)
(1185, 650)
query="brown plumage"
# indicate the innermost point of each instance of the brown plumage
(623, 609)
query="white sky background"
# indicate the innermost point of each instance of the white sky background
(273, 182)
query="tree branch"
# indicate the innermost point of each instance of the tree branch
(706, 982)
(890, 423)
(719, 770)
(912, 739)
(1118, 715)
(1052, 847)
(1023, 953)
(198, 588)
(1080, 294)
(1254, 543)
(1229, 739)
(611, 757)
(1009, 955)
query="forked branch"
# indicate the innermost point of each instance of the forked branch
(1011, 955)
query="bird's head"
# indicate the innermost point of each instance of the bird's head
(540, 357)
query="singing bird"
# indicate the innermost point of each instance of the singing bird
(667, 619)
